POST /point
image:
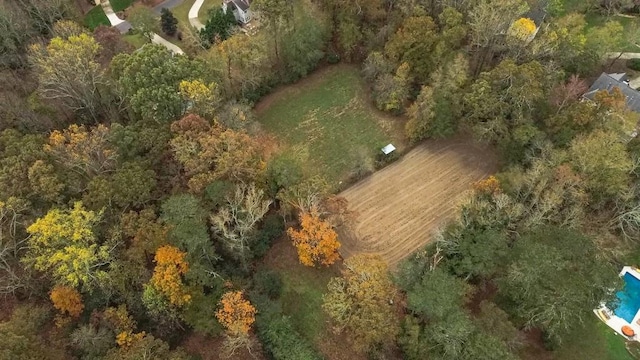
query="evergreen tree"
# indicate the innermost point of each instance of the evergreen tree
(218, 26)
(168, 22)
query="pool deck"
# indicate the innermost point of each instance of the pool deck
(616, 323)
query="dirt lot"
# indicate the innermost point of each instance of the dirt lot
(400, 206)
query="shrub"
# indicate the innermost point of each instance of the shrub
(333, 58)
(281, 341)
(383, 160)
(633, 64)
(268, 283)
(272, 228)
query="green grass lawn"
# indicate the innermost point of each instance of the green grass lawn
(302, 299)
(96, 17)
(329, 120)
(302, 290)
(595, 341)
(181, 12)
(119, 5)
(137, 40)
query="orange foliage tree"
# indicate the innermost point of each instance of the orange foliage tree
(235, 313)
(67, 300)
(316, 242)
(490, 186)
(170, 266)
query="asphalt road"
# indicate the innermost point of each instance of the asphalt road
(169, 4)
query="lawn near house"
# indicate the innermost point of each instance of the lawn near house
(595, 341)
(119, 5)
(181, 12)
(328, 119)
(595, 18)
(96, 17)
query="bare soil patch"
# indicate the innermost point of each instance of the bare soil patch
(400, 206)
(208, 348)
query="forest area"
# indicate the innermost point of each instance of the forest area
(150, 210)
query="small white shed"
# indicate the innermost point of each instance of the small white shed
(388, 149)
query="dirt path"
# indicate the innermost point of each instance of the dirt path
(400, 206)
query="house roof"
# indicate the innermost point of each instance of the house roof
(538, 12)
(242, 4)
(608, 82)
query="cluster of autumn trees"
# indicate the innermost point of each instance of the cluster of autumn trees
(138, 194)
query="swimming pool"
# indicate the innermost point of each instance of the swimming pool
(627, 303)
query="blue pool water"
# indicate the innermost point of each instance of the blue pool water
(628, 299)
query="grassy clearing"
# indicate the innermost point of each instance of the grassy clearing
(302, 299)
(96, 17)
(119, 5)
(594, 341)
(302, 290)
(327, 121)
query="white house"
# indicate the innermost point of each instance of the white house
(240, 9)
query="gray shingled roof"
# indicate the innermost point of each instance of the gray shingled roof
(242, 4)
(538, 12)
(608, 82)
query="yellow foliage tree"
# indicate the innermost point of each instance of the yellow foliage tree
(67, 300)
(235, 313)
(361, 300)
(126, 339)
(316, 242)
(63, 243)
(202, 98)
(522, 29)
(170, 266)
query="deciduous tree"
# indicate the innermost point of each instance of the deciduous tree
(202, 99)
(209, 153)
(555, 278)
(186, 218)
(167, 275)
(68, 71)
(235, 222)
(237, 315)
(316, 241)
(361, 301)
(83, 151)
(63, 243)
(600, 157)
(67, 300)
(143, 20)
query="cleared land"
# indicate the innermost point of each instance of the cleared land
(399, 207)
